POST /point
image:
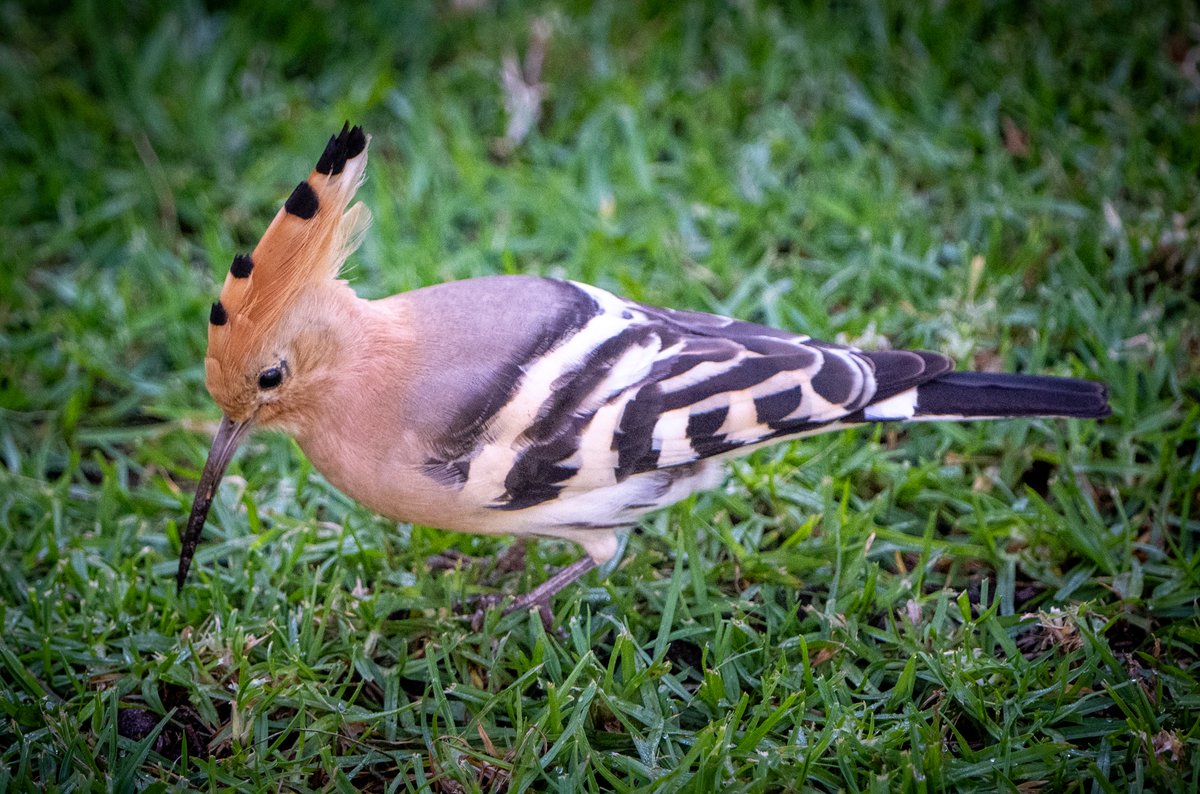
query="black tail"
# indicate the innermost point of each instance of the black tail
(983, 394)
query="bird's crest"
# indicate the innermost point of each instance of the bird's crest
(307, 242)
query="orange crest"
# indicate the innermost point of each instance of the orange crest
(305, 245)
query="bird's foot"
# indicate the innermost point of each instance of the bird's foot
(476, 609)
(539, 597)
(510, 560)
(484, 603)
(450, 559)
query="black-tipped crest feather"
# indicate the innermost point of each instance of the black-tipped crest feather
(303, 203)
(344, 146)
(515, 393)
(242, 266)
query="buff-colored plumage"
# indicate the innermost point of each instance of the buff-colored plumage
(527, 406)
(296, 257)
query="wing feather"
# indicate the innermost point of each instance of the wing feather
(664, 389)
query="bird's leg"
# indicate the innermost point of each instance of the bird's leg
(539, 596)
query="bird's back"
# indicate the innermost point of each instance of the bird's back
(514, 404)
(554, 407)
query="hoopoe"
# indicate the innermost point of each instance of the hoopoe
(528, 406)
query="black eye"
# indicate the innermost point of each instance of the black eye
(270, 378)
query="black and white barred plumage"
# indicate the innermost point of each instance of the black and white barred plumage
(529, 406)
(605, 409)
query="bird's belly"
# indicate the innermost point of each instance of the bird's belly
(404, 490)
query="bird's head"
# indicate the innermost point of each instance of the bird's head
(268, 351)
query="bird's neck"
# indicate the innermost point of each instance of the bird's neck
(354, 403)
(329, 326)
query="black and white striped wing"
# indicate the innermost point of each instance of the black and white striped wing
(639, 389)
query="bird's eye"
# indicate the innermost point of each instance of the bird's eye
(270, 378)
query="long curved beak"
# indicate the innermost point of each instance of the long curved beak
(225, 443)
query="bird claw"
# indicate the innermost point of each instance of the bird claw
(511, 560)
(476, 609)
(539, 596)
(449, 560)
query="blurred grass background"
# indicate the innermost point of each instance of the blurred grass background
(1006, 606)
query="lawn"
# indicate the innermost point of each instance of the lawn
(1000, 606)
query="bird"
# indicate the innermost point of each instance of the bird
(528, 406)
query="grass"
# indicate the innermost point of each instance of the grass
(1005, 606)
